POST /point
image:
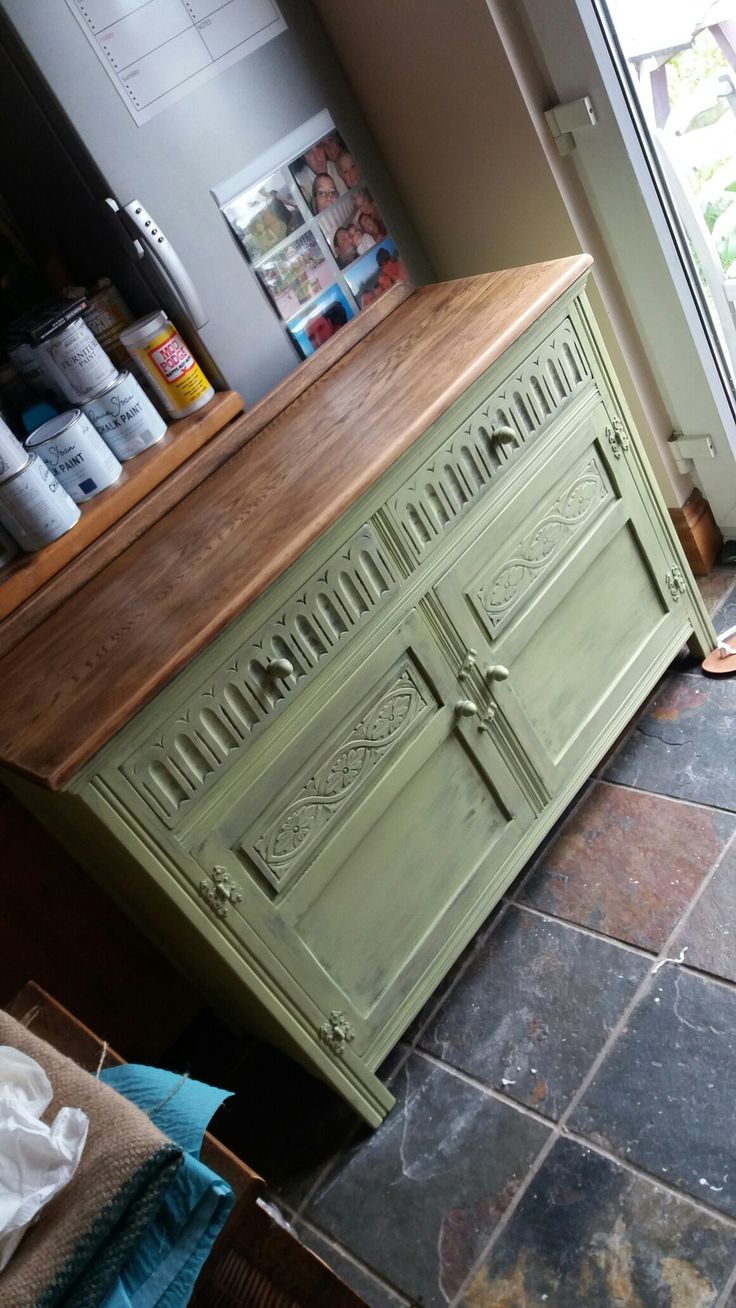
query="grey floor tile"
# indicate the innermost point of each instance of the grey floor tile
(682, 743)
(628, 863)
(376, 1294)
(417, 1201)
(665, 1096)
(590, 1234)
(534, 1008)
(710, 930)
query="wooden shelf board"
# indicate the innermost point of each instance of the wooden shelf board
(26, 574)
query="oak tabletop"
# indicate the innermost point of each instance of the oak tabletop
(81, 675)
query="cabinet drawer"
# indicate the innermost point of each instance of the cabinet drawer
(468, 463)
(564, 600)
(358, 851)
(257, 673)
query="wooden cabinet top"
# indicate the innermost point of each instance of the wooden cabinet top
(82, 674)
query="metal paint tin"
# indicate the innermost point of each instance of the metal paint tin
(34, 508)
(8, 547)
(125, 418)
(12, 455)
(72, 355)
(76, 455)
(106, 315)
(176, 375)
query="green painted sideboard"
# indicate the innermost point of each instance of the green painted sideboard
(318, 811)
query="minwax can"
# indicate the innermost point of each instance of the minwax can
(167, 361)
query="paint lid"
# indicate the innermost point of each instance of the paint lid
(52, 428)
(60, 317)
(141, 331)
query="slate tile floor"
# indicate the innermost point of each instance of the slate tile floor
(565, 1130)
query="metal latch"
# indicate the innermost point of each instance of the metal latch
(564, 119)
(688, 449)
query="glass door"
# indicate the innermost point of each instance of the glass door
(657, 171)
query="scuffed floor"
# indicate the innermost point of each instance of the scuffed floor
(565, 1127)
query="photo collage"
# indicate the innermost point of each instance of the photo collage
(317, 241)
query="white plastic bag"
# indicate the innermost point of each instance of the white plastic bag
(36, 1161)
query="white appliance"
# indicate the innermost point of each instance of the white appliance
(154, 105)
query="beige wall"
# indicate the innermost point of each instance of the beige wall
(454, 97)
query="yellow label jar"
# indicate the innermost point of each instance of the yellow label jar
(156, 345)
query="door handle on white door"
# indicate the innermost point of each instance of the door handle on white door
(161, 249)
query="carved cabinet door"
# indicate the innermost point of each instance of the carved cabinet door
(361, 846)
(567, 601)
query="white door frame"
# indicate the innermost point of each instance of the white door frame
(622, 182)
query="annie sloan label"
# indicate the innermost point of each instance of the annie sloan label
(125, 418)
(72, 449)
(78, 360)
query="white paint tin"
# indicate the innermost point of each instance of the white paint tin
(12, 455)
(75, 359)
(34, 508)
(76, 455)
(125, 418)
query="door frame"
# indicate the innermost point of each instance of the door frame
(623, 184)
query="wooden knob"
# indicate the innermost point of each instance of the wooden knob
(497, 672)
(465, 708)
(503, 434)
(280, 667)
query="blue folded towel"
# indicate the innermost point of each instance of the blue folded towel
(163, 1267)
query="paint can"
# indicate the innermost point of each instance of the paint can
(125, 418)
(34, 508)
(106, 315)
(8, 547)
(72, 355)
(12, 455)
(177, 378)
(75, 454)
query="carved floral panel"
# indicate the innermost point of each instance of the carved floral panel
(200, 743)
(290, 838)
(534, 554)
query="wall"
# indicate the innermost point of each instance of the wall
(454, 98)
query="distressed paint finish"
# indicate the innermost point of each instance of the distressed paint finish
(422, 843)
(589, 1234)
(627, 863)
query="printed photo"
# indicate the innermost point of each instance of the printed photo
(265, 215)
(352, 227)
(376, 272)
(295, 274)
(323, 318)
(326, 171)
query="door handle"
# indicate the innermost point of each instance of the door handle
(162, 251)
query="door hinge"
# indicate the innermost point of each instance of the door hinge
(566, 119)
(687, 449)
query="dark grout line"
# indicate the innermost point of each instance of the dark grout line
(677, 799)
(355, 1262)
(651, 954)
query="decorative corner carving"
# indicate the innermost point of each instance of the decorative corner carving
(336, 1033)
(676, 583)
(219, 892)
